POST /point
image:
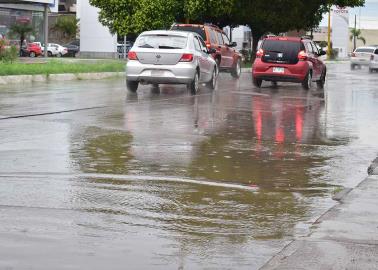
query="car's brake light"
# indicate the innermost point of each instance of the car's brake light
(302, 55)
(186, 57)
(260, 53)
(132, 56)
(208, 45)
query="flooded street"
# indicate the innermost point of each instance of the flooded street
(93, 177)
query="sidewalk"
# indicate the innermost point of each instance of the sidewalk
(346, 237)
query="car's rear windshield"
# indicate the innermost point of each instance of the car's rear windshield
(281, 51)
(162, 42)
(281, 46)
(364, 50)
(199, 30)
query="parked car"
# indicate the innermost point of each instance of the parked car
(170, 57)
(73, 48)
(373, 65)
(227, 58)
(54, 49)
(289, 59)
(361, 56)
(120, 48)
(31, 49)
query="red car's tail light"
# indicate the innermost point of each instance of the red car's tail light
(260, 53)
(208, 45)
(186, 57)
(132, 56)
(302, 55)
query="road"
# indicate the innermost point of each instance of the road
(93, 177)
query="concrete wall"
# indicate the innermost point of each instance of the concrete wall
(95, 39)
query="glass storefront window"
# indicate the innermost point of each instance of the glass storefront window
(9, 17)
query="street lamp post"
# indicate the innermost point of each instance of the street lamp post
(329, 33)
(46, 28)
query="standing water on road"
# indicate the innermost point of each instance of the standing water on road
(93, 176)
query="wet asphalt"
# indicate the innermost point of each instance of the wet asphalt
(93, 177)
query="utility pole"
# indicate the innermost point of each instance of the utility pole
(329, 33)
(46, 28)
(354, 33)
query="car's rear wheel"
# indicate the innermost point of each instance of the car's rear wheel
(49, 54)
(371, 70)
(257, 82)
(59, 55)
(352, 66)
(307, 82)
(32, 54)
(194, 85)
(236, 71)
(213, 82)
(132, 86)
(322, 80)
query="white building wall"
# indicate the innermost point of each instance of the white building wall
(95, 39)
(340, 30)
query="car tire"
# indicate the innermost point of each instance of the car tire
(194, 85)
(213, 82)
(59, 55)
(257, 82)
(32, 54)
(132, 86)
(49, 54)
(236, 71)
(371, 70)
(217, 61)
(307, 82)
(320, 84)
(352, 66)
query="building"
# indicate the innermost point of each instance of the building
(33, 12)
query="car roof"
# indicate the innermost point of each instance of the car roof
(284, 38)
(168, 32)
(214, 27)
(367, 47)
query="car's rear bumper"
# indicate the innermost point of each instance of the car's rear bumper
(292, 73)
(181, 73)
(373, 64)
(359, 61)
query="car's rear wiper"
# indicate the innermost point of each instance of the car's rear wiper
(168, 47)
(146, 46)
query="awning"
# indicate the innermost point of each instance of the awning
(33, 5)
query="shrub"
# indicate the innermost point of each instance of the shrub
(8, 54)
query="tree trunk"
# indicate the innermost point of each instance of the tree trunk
(255, 41)
(22, 37)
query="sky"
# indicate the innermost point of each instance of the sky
(367, 16)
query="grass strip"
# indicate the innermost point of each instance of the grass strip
(61, 67)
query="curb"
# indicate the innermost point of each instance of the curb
(246, 70)
(23, 79)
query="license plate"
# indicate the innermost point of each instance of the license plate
(157, 73)
(278, 70)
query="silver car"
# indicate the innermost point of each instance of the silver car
(361, 56)
(170, 57)
(373, 66)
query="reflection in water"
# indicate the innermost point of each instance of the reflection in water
(254, 140)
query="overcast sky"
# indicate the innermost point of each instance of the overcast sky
(367, 16)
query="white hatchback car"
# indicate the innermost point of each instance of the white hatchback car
(373, 66)
(170, 57)
(361, 56)
(54, 49)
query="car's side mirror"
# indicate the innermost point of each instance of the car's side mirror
(211, 50)
(232, 44)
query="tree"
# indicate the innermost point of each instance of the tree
(67, 25)
(356, 34)
(21, 30)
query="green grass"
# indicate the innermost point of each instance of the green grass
(61, 66)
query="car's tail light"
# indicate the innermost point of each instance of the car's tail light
(302, 56)
(208, 45)
(132, 56)
(353, 54)
(186, 57)
(260, 53)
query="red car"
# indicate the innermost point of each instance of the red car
(227, 58)
(289, 59)
(32, 50)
